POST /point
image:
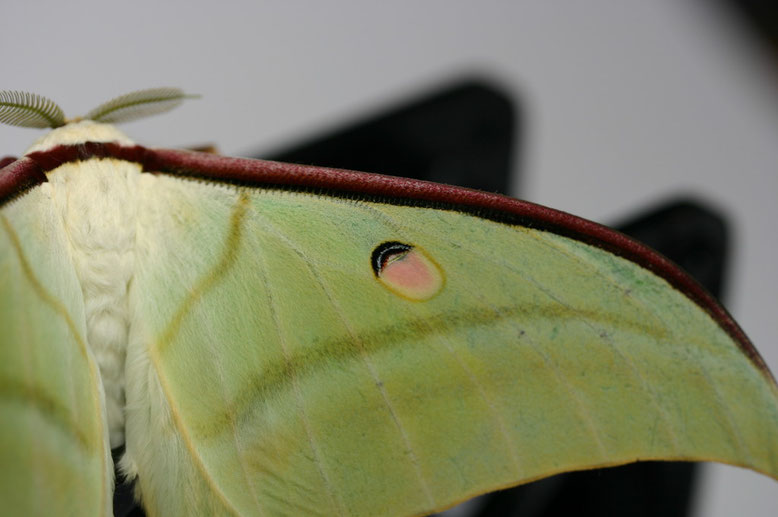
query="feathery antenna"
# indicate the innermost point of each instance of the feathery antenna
(29, 110)
(135, 105)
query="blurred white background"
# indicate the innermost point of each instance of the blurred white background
(627, 102)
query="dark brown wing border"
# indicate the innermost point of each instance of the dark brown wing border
(23, 174)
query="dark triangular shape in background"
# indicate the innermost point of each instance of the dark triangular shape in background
(467, 134)
(461, 135)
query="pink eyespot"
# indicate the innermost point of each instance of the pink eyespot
(407, 271)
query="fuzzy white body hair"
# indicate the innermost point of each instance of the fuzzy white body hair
(78, 133)
(97, 201)
(101, 202)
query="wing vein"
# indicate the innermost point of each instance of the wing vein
(334, 499)
(157, 348)
(409, 451)
(59, 308)
(582, 409)
(480, 388)
(602, 336)
(731, 421)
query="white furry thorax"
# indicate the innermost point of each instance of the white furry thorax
(78, 133)
(97, 200)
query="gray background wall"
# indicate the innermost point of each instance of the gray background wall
(627, 102)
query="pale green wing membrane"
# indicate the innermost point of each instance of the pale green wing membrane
(53, 450)
(272, 372)
(297, 350)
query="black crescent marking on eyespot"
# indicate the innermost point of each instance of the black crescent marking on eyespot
(381, 189)
(383, 251)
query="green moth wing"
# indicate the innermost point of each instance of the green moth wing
(54, 453)
(523, 352)
(306, 341)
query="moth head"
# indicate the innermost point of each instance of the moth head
(31, 110)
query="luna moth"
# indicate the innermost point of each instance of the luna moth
(275, 339)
